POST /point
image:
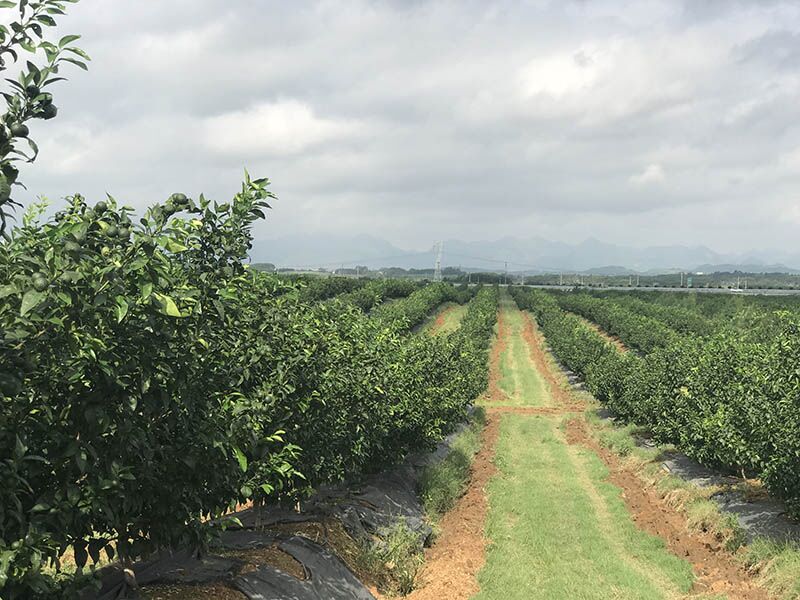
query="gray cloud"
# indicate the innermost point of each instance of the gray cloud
(637, 122)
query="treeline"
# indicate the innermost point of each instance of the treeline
(150, 381)
(723, 399)
(377, 291)
(680, 319)
(637, 331)
(412, 311)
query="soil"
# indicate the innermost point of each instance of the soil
(268, 555)
(217, 591)
(559, 390)
(493, 392)
(441, 318)
(716, 569)
(460, 551)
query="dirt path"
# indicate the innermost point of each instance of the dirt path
(563, 517)
(460, 550)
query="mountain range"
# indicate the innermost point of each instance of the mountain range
(522, 255)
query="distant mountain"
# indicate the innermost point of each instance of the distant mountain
(746, 268)
(520, 255)
(332, 251)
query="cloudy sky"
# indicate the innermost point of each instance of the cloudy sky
(642, 122)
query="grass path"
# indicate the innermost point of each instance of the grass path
(520, 382)
(446, 319)
(556, 527)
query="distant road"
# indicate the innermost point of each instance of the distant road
(622, 288)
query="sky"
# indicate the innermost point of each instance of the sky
(641, 123)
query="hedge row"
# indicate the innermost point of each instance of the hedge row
(682, 320)
(637, 331)
(373, 293)
(314, 288)
(407, 313)
(724, 400)
(149, 382)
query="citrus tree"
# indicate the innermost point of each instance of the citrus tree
(37, 62)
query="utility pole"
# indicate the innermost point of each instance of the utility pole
(681, 278)
(637, 280)
(437, 269)
(561, 279)
(505, 273)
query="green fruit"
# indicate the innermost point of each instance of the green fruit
(178, 198)
(71, 246)
(40, 284)
(105, 251)
(5, 190)
(49, 111)
(9, 385)
(20, 130)
(33, 90)
(124, 233)
(112, 231)
(100, 207)
(10, 171)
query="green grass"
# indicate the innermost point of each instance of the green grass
(393, 565)
(702, 513)
(559, 530)
(778, 566)
(520, 380)
(454, 314)
(443, 483)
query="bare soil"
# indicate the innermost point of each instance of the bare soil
(494, 393)
(441, 318)
(460, 550)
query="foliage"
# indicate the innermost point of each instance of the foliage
(314, 288)
(725, 399)
(443, 483)
(635, 330)
(373, 293)
(135, 354)
(27, 98)
(411, 311)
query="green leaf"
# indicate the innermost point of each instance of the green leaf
(122, 308)
(7, 290)
(7, 4)
(168, 306)
(241, 458)
(146, 290)
(67, 39)
(29, 301)
(174, 246)
(73, 61)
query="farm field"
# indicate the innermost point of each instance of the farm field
(546, 490)
(181, 420)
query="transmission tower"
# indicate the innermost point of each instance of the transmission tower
(437, 268)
